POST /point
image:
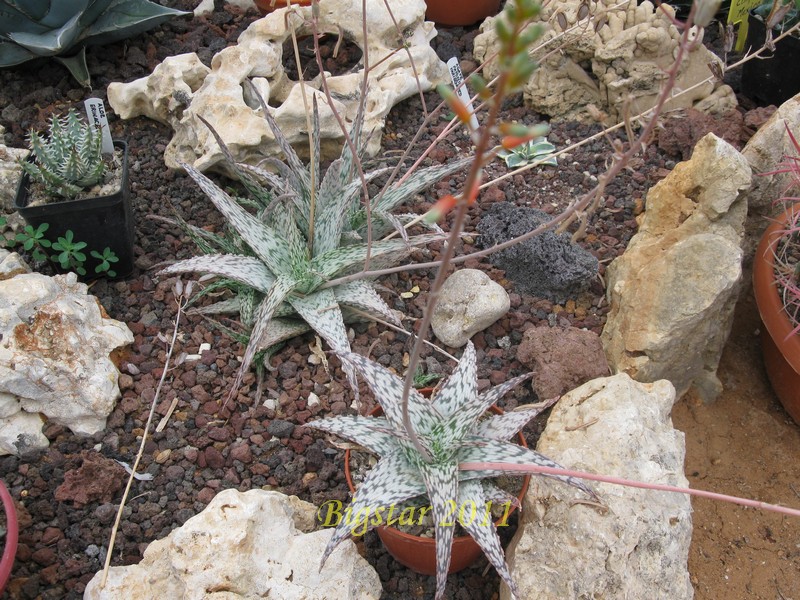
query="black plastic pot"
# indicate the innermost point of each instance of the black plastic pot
(771, 80)
(105, 221)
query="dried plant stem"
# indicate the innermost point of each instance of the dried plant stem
(659, 487)
(181, 301)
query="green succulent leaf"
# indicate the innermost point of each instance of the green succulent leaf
(441, 481)
(361, 294)
(244, 269)
(374, 433)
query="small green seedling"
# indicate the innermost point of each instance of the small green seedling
(422, 380)
(33, 241)
(106, 259)
(69, 253)
(538, 149)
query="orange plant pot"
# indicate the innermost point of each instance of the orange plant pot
(460, 12)
(780, 349)
(419, 553)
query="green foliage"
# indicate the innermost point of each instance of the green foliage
(69, 160)
(65, 251)
(69, 253)
(534, 150)
(452, 430)
(289, 238)
(62, 29)
(33, 241)
(422, 379)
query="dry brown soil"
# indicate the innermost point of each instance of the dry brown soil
(744, 444)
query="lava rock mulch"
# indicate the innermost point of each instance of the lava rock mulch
(67, 495)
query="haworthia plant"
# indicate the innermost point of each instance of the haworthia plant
(451, 430)
(69, 160)
(278, 255)
(62, 29)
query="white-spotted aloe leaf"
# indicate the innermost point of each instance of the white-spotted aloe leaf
(244, 269)
(507, 425)
(374, 433)
(441, 481)
(361, 294)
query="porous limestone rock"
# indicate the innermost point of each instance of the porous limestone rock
(10, 173)
(561, 358)
(764, 152)
(614, 59)
(244, 546)
(673, 291)
(54, 358)
(639, 547)
(469, 302)
(181, 89)
(207, 6)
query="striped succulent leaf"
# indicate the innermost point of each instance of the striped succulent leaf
(361, 294)
(452, 430)
(244, 269)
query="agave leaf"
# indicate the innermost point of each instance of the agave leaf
(441, 481)
(471, 493)
(244, 269)
(479, 449)
(374, 433)
(507, 425)
(362, 295)
(266, 243)
(49, 42)
(127, 18)
(391, 481)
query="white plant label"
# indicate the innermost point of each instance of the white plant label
(96, 114)
(463, 94)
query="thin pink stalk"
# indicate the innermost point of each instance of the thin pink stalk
(12, 536)
(659, 487)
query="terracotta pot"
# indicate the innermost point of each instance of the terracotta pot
(12, 535)
(781, 354)
(419, 553)
(460, 12)
(267, 6)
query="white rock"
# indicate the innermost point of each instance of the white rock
(10, 173)
(618, 67)
(12, 264)
(207, 6)
(54, 357)
(244, 546)
(637, 549)
(469, 302)
(217, 95)
(673, 291)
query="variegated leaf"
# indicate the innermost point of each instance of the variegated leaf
(346, 258)
(362, 295)
(282, 287)
(247, 181)
(265, 242)
(284, 221)
(222, 307)
(507, 425)
(461, 388)
(322, 312)
(441, 481)
(244, 269)
(391, 481)
(497, 451)
(483, 531)
(494, 494)
(208, 242)
(374, 433)
(388, 391)
(279, 330)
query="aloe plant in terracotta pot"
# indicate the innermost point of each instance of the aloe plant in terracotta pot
(776, 282)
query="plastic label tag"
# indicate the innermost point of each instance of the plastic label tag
(96, 115)
(458, 78)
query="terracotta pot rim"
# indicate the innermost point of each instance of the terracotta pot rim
(768, 301)
(461, 539)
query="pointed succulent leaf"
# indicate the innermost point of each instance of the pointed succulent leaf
(507, 425)
(461, 388)
(282, 329)
(441, 481)
(244, 269)
(492, 395)
(265, 242)
(479, 449)
(279, 291)
(343, 259)
(483, 531)
(388, 390)
(391, 481)
(374, 433)
(229, 306)
(361, 294)
(494, 494)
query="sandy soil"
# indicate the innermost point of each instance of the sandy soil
(744, 444)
